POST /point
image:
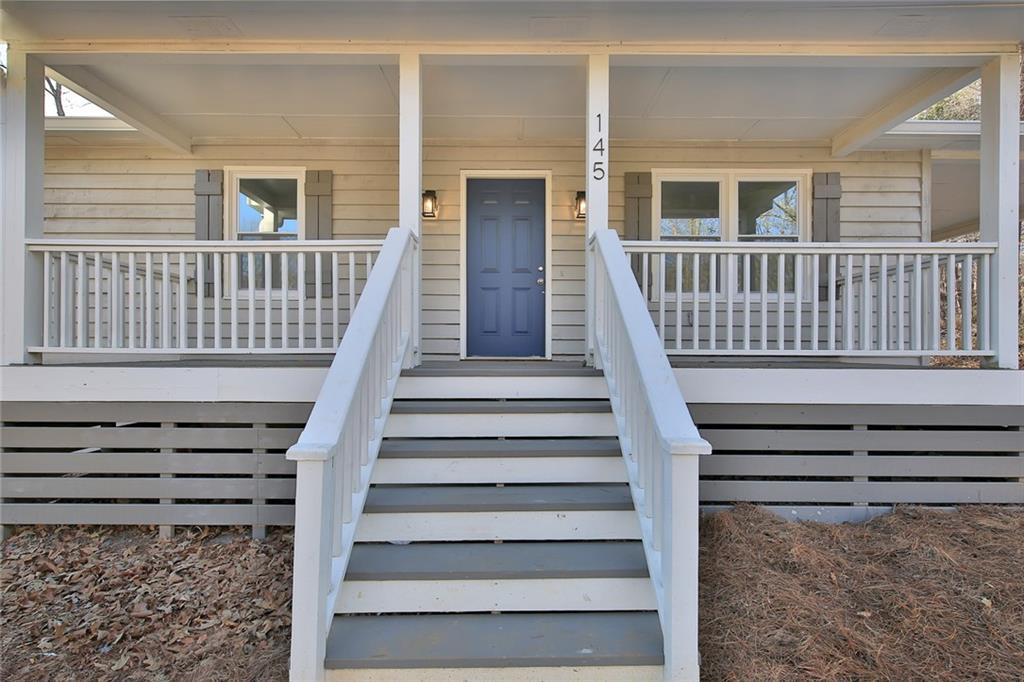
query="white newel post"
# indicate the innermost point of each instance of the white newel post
(311, 582)
(21, 286)
(410, 174)
(597, 176)
(679, 567)
(1000, 178)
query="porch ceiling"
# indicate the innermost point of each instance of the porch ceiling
(294, 97)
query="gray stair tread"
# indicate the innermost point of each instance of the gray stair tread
(495, 640)
(495, 447)
(498, 406)
(497, 561)
(501, 368)
(456, 498)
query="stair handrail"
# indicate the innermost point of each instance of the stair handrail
(337, 449)
(659, 441)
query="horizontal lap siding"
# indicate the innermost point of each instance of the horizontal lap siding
(143, 192)
(881, 197)
(101, 462)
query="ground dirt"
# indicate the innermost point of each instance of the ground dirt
(916, 595)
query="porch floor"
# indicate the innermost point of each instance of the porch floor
(496, 367)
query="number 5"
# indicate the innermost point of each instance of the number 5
(599, 170)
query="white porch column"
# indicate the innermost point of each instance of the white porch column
(21, 279)
(597, 175)
(597, 142)
(1000, 178)
(410, 172)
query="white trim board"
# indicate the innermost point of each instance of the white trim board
(35, 383)
(464, 177)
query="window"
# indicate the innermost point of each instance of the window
(265, 205)
(729, 205)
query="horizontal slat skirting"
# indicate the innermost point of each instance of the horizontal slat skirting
(909, 492)
(163, 412)
(184, 488)
(951, 466)
(149, 514)
(820, 440)
(148, 437)
(144, 463)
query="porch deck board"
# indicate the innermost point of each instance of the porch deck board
(492, 561)
(495, 640)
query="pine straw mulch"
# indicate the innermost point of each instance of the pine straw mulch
(916, 595)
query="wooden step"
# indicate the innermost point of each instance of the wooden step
(521, 498)
(496, 447)
(501, 368)
(495, 640)
(435, 513)
(495, 460)
(497, 561)
(500, 406)
(472, 577)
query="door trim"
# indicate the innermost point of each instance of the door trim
(464, 177)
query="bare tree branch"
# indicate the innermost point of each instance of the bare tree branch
(56, 90)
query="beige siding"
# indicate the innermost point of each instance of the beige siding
(143, 192)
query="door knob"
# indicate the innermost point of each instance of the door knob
(540, 281)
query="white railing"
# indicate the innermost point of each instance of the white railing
(861, 299)
(337, 449)
(659, 443)
(176, 297)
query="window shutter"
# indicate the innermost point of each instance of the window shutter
(209, 195)
(825, 218)
(825, 209)
(637, 224)
(209, 205)
(638, 206)
(319, 223)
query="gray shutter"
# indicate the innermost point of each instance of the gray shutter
(638, 206)
(637, 223)
(209, 195)
(825, 210)
(319, 223)
(209, 205)
(825, 218)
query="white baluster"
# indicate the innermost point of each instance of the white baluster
(250, 266)
(966, 288)
(318, 275)
(746, 301)
(951, 302)
(217, 296)
(182, 302)
(165, 300)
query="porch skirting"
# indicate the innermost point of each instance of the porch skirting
(223, 463)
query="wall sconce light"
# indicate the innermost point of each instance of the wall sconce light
(429, 204)
(580, 209)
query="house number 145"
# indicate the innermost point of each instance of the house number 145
(598, 170)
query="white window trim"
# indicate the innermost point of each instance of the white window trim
(232, 174)
(728, 194)
(728, 180)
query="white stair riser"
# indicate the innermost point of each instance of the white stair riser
(491, 388)
(587, 673)
(450, 470)
(496, 425)
(468, 596)
(526, 525)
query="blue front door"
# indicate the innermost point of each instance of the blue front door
(505, 268)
